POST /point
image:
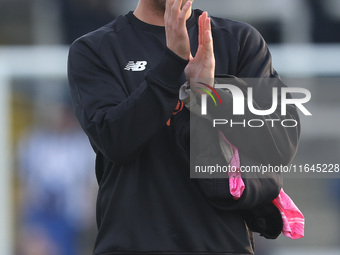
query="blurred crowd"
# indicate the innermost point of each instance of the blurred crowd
(62, 21)
(51, 21)
(56, 184)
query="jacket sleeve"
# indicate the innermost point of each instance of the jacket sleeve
(269, 144)
(273, 143)
(119, 123)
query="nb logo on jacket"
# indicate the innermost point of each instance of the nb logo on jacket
(137, 66)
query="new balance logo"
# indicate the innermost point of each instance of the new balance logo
(136, 67)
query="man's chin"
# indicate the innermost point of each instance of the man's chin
(159, 5)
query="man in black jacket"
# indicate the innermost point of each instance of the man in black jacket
(125, 79)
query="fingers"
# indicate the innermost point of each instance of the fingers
(177, 38)
(208, 43)
(207, 31)
(175, 8)
(200, 30)
(204, 25)
(168, 5)
(203, 64)
(184, 12)
(174, 12)
(205, 34)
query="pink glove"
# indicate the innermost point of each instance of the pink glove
(292, 218)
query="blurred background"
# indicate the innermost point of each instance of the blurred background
(47, 179)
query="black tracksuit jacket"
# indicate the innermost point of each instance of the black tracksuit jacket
(124, 84)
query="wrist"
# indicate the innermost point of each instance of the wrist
(181, 55)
